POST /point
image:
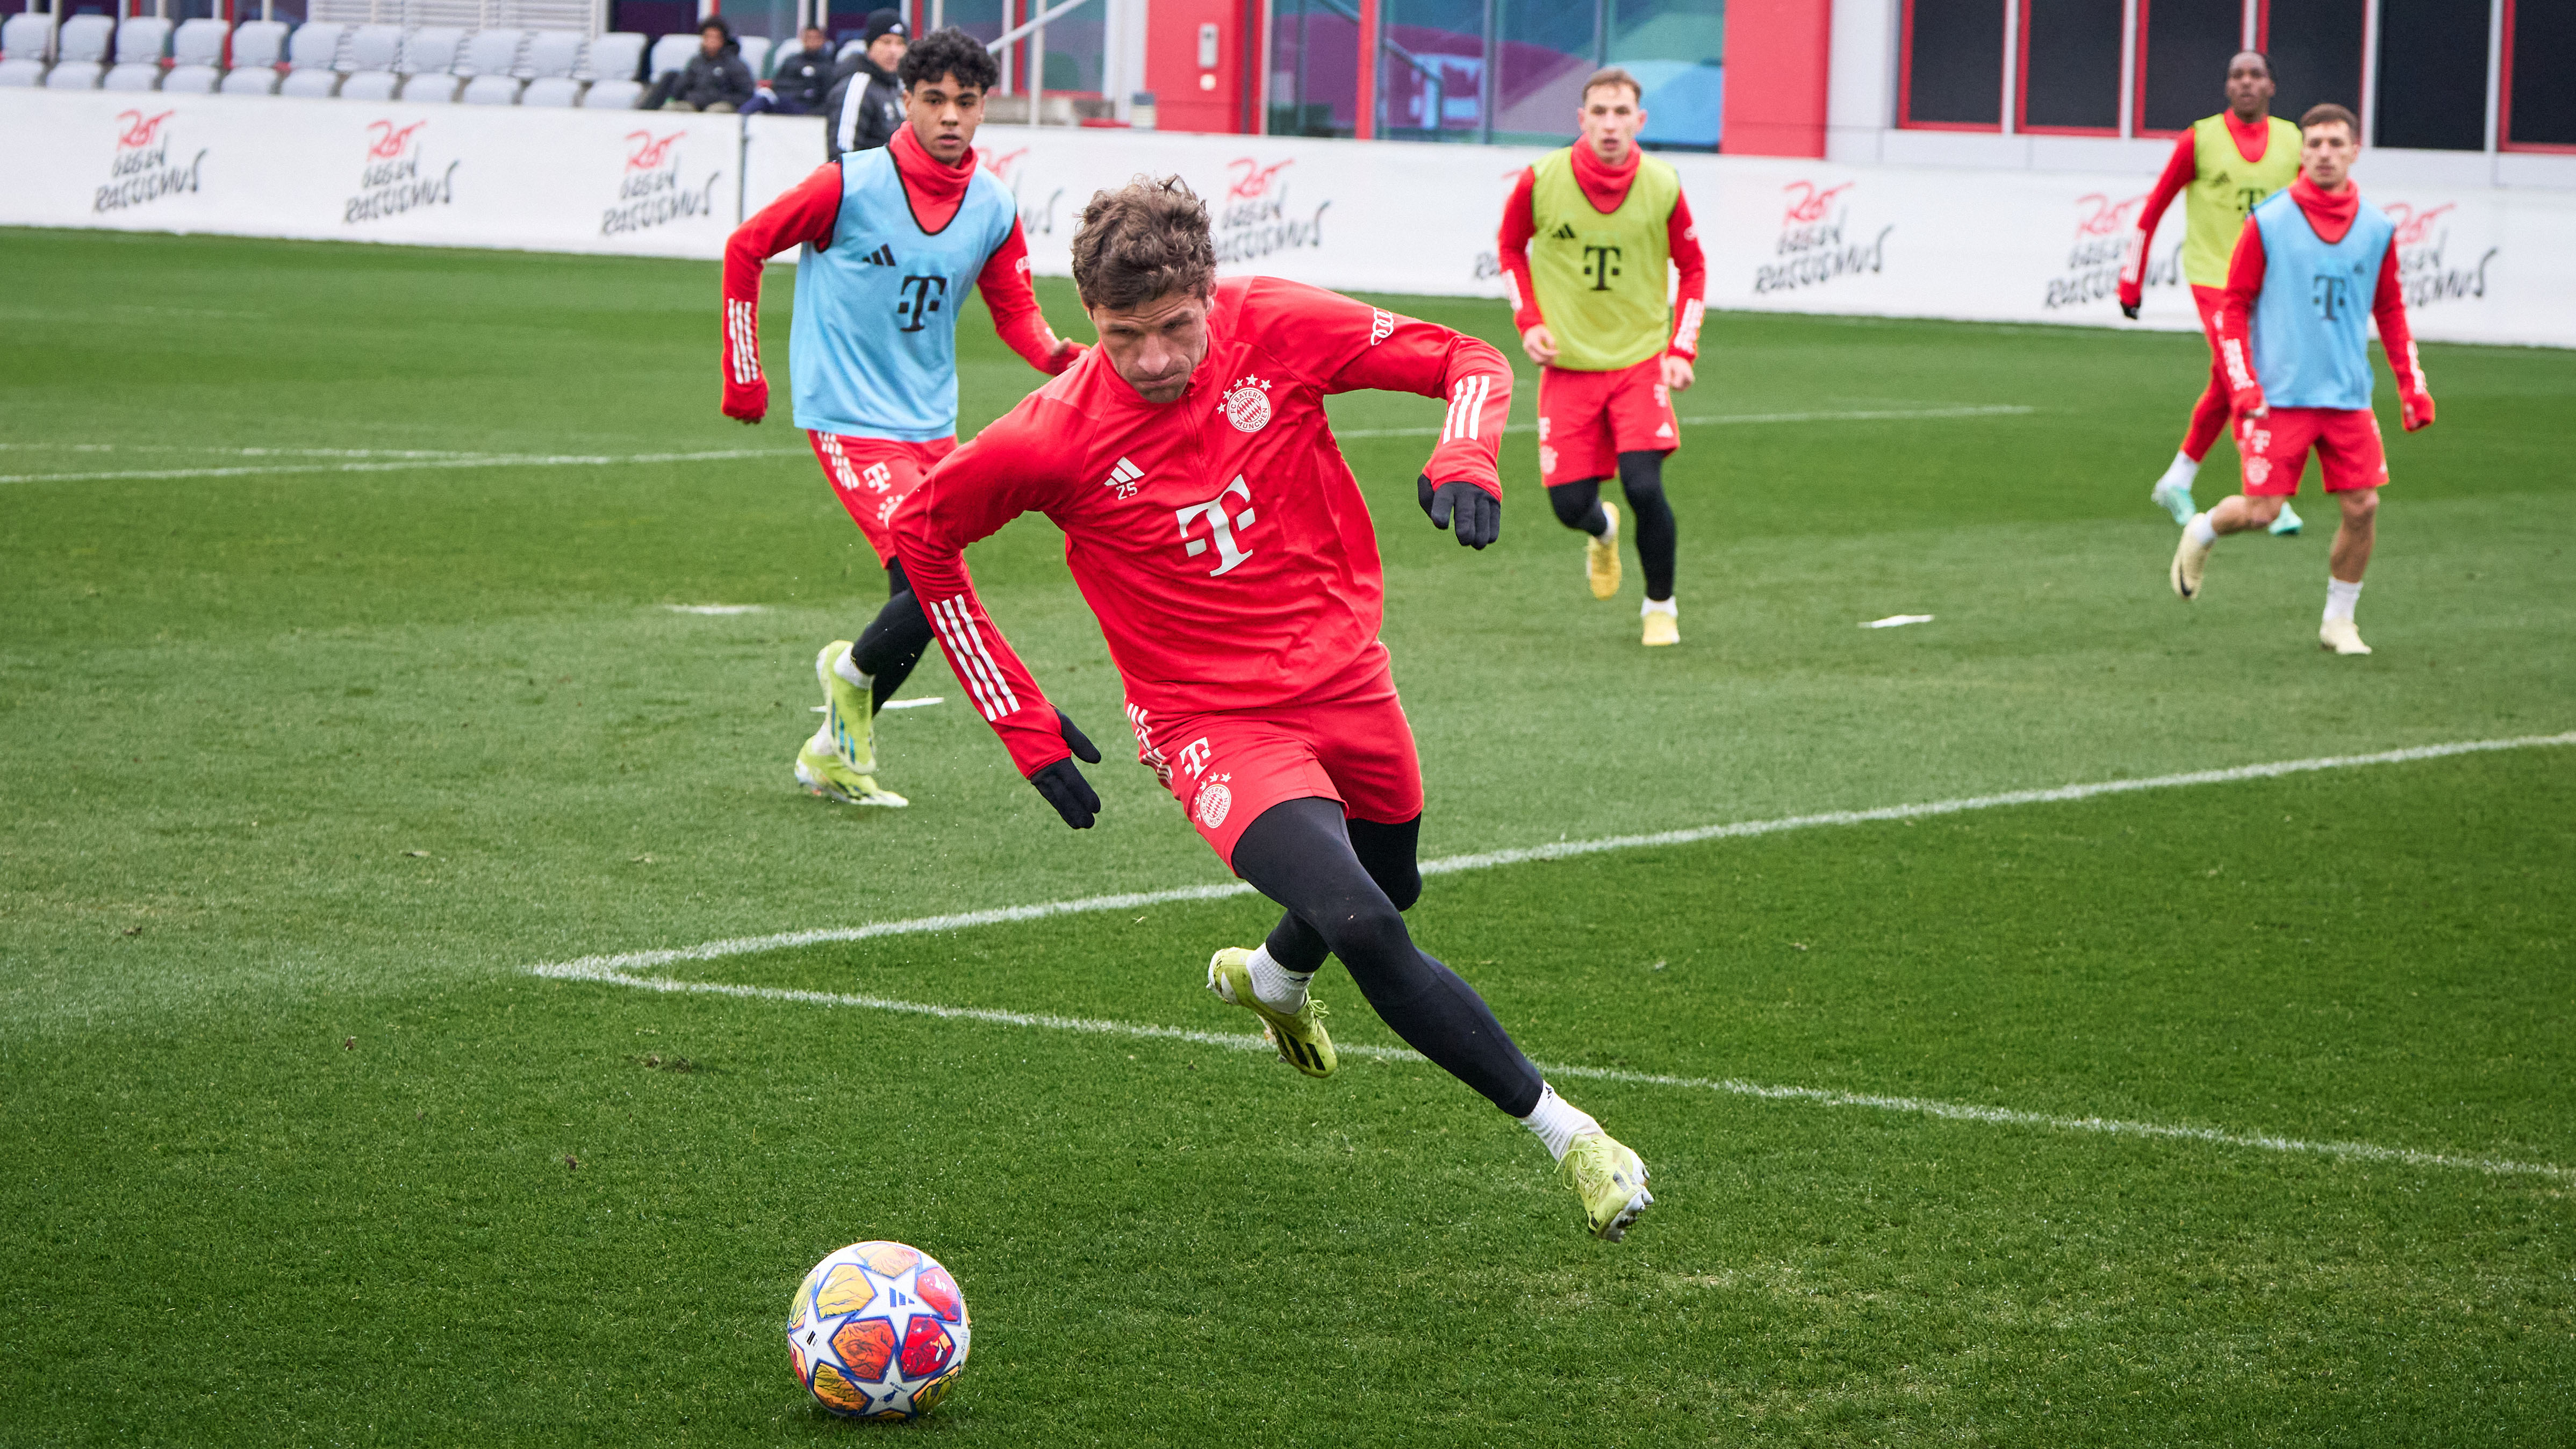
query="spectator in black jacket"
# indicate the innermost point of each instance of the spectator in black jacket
(715, 79)
(798, 83)
(866, 102)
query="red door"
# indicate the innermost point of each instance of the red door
(1195, 52)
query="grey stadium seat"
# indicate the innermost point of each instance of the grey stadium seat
(258, 43)
(490, 90)
(491, 52)
(75, 75)
(558, 91)
(315, 46)
(140, 76)
(438, 89)
(22, 73)
(671, 53)
(197, 42)
(315, 84)
(613, 95)
(142, 40)
(370, 85)
(614, 56)
(549, 53)
(26, 37)
(755, 54)
(84, 38)
(432, 49)
(191, 80)
(255, 80)
(372, 47)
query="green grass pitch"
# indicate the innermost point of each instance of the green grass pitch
(319, 729)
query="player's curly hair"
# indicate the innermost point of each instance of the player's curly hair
(1147, 239)
(948, 51)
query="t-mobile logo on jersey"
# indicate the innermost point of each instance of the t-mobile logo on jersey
(921, 297)
(1600, 264)
(1219, 525)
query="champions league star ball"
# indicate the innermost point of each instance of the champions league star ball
(878, 1331)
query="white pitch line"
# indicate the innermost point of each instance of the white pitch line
(1557, 850)
(1866, 415)
(1915, 1106)
(492, 460)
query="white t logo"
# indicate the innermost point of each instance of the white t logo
(1214, 511)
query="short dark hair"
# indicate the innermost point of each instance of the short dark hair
(948, 51)
(2322, 114)
(1612, 75)
(2264, 56)
(1147, 239)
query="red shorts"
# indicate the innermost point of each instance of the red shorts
(1587, 419)
(871, 475)
(1227, 766)
(2275, 448)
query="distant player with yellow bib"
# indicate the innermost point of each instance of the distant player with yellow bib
(2227, 163)
(1591, 237)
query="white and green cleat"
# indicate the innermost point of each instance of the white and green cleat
(2173, 495)
(1611, 1182)
(2286, 525)
(1300, 1036)
(849, 715)
(820, 769)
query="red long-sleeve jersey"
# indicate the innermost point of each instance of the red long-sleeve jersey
(807, 213)
(2180, 168)
(2246, 267)
(1681, 235)
(1220, 538)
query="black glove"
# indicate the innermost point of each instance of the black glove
(1063, 785)
(1478, 514)
(2129, 310)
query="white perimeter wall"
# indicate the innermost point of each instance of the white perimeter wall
(2483, 264)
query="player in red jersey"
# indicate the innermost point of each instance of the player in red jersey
(1216, 532)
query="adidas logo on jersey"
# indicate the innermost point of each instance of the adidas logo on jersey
(881, 257)
(1564, 231)
(1124, 477)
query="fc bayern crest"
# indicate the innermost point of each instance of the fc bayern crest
(1215, 800)
(1248, 406)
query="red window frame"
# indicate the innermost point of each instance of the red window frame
(2504, 101)
(1905, 86)
(2021, 83)
(2138, 84)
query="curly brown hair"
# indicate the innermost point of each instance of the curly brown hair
(1147, 239)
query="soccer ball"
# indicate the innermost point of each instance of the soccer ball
(878, 1331)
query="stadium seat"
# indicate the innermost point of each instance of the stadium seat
(140, 76)
(549, 53)
(430, 50)
(258, 43)
(617, 55)
(556, 91)
(613, 95)
(75, 75)
(370, 85)
(671, 53)
(491, 52)
(371, 47)
(313, 84)
(84, 38)
(254, 80)
(192, 80)
(314, 46)
(491, 90)
(437, 88)
(197, 42)
(27, 37)
(22, 73)
(852, 46)
(142, 40)
(755, 54)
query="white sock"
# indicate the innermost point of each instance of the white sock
(2340, 598)
(848, 669)
(1558, 1122)
(2199, 531)
(2183, 469)
(1660, 606)
(1274, 985)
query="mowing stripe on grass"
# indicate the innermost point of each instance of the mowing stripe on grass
(398, 465)
(1818, 1096)
(1859, 415)
(1559, 850)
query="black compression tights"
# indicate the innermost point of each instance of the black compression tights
(1641, 477)
(1345, 889)
(892, 643)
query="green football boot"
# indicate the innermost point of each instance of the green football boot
(2287, 524)
(1611, 1182)
(819, 768)
(1300, 1037)
(849, 715)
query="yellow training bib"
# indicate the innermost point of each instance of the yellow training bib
(2225, 187)
(1604, 282)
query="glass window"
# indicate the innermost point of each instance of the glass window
(2538, 61)
(1954, 63)
(1077, 49)
(1314, 68)
(2432, 74)
(2183, 50)
(2071, 64)
(1677, 51)
(1545, 50)
(2315, 47)
(1431, 69)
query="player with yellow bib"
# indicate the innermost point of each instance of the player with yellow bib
(2226, 164)
(1590, 240)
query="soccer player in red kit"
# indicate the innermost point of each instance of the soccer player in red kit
(1216, 532)
(2296, 345)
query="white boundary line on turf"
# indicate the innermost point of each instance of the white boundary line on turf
(399, 465)
(1918, 1106)
(1557, 850)
(1863, 415)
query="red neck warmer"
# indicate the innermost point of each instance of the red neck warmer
(2331, 214)
(934, 190)
(2252, 138)
(1604, 185)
